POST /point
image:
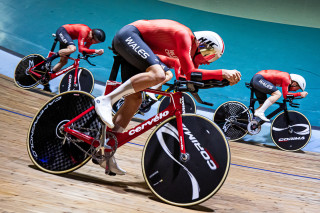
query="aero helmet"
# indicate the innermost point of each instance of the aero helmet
(210, 44)
(300, 80)
(98, 35)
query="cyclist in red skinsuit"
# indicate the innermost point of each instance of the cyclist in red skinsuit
(138, 43)
(265, 82)
(65, 35)
(85, 36)
(175, 40)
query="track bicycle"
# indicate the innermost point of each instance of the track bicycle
(31, 71)
(290, 130)
(185, 159)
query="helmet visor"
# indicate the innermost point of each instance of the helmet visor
(209, 53)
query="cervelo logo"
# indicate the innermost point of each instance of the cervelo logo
(212, 165)
(137, 48)
(207, 41)
(302, 138)
(265, 84)
(149, 123)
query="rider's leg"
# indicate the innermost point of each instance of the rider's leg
(271, 100)
(127, 111)
(61, 53)
(136, 83)
(121, 120)
(63, 61)
(169, 76)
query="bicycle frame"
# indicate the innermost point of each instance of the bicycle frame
(174, 109)
(282, 107)
(54, 75)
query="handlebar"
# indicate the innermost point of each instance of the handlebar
(290, 98)
(86, 57)
(194, 86)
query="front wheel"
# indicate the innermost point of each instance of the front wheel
(84, 82)
(233, 118)
(25, 79)
(53, 150)
(188, 182)
(291, 133)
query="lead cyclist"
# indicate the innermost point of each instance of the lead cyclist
(138, 43)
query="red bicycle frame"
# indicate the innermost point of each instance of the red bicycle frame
(54, 75)
(174, 109)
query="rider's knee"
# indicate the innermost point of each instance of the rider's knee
(157, 74)
(276, 94)
(72, 48)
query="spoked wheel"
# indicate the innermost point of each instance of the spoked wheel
(291, 136)
(233, 118)
(186, 182)
(22, 77)
(188, 104)
(85, 81)
(53, 150)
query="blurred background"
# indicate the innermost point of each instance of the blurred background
(282, 35)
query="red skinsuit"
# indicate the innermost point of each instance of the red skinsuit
(279, 79)
(172, 39)
(80, 32)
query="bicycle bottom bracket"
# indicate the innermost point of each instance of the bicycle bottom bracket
(254, 127)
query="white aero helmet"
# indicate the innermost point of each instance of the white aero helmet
(299, 79)
(210, 44)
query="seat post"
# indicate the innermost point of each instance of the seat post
(115, 68)
(54, 43)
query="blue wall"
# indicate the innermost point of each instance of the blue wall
(26, 27)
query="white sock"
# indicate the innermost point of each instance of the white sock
(123, 90)
(265, 106)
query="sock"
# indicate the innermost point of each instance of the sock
(54, 56)
(123, 90)
(265, 106)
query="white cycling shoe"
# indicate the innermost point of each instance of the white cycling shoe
(103, 108)
(110, 165)
(261, 116)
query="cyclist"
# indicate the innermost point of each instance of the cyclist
(266, 82)
(69, 32)
(138, 43)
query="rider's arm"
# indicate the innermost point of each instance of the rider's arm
(184, 44)
(172, 63)
(82, 46)
(285, 87)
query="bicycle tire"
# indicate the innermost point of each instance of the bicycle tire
(189, 104)
(236, 112)
(192, 182)
(85, 81)
(46, 146)
(296, 140)
(26, 80)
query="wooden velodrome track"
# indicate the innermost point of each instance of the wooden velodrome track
(261, 179)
